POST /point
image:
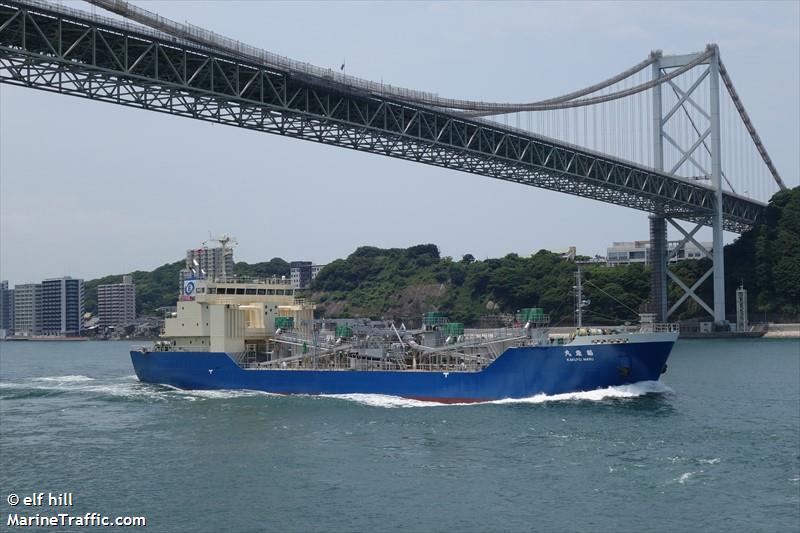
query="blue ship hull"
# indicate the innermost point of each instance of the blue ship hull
(517, 373)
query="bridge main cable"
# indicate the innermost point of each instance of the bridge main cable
(737, 102)
(470, 108)
(214, 40)
(126, 63)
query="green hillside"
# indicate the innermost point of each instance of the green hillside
(405, 283)
(159, 288)
(767, 259)
(154, 289)
(401, 283)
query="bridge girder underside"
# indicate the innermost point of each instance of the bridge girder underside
(50, 51)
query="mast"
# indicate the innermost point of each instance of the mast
(578, 298)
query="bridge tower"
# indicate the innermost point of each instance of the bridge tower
(707, 137)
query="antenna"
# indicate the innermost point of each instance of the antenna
(578, 298)
(227, 242)
(223, 239)
(579, 301)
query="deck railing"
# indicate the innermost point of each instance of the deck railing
(660, 327)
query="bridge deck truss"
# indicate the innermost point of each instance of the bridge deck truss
(61, 53)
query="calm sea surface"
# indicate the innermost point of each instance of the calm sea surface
(715, 448)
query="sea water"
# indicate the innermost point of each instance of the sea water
(713, 446)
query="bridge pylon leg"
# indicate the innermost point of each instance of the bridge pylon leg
(708, 136)
(658, 267)
(716, 182)
(688, 236)
(658, 225)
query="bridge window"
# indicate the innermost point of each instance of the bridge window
(262, 291)
(250, 291)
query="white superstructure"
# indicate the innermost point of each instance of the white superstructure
(234, 316)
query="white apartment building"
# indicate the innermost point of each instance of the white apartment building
(28, 309)
(215, 264)
(625, 253)
(116, 303)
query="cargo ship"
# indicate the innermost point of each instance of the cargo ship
(256, 335)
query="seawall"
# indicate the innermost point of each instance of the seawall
(782, 331)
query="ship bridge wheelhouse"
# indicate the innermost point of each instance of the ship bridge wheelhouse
(228, 316)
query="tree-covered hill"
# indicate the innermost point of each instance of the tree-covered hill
(154, 289)
(275, 267)
(405, 283)
(401, 283)
(767, 259)
(159, 288)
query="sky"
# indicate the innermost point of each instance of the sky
(89, 189)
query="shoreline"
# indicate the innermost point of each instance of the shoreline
(782, 331)
(71, 339)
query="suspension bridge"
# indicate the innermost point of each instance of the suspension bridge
(669, 136)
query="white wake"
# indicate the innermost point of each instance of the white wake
(64, 379)
(131, 387)
(633, 390)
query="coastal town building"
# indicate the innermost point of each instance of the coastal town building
(626, 253)
(302, 273)
(208, 263)
(62, 306)
(6, 310)
(116, 303)
(27, 310)
(569, 253)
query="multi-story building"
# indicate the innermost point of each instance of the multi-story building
(62, 306)
(116, 303)
(303, 272)
(27, 309)
(214, 264)
(569, 253)
(300, 274)
(6, 310)
(625, 253)
(315, 269)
